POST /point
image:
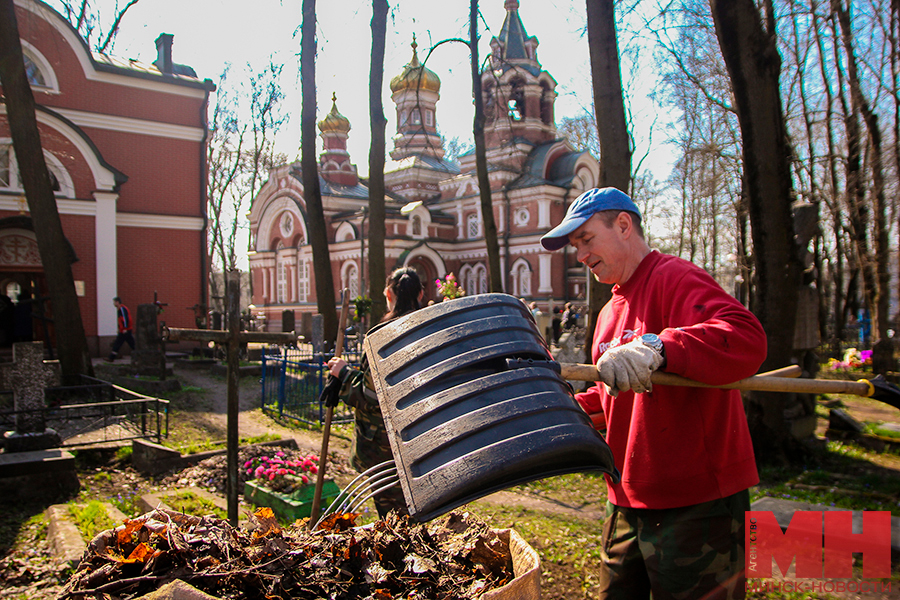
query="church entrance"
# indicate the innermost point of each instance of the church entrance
(428, 274)
(24, 310)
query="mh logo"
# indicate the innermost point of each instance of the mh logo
(820, 551)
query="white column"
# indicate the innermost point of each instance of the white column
(273, 283)
(264, 271)
(543, 213)
(107, 265)
(544, 286)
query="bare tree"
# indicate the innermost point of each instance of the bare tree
(484, 184)
(377, 124)
(612, 133)
(56, 256)
(876, 279)
(85, 17)
(312, 193)
(754, 66)
(240, 153)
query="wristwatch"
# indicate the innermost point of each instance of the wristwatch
(652, 341)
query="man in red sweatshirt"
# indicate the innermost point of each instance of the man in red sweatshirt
(675, 523)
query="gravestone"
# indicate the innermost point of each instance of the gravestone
(27, 377)
(306, 325)
(570, 351)
(318, 334)
(287, 321)
(148, 358)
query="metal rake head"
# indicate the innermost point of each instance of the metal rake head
(370, 482)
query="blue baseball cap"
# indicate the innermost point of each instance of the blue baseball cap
(582, 209)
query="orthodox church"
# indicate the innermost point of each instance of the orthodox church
(433, 209)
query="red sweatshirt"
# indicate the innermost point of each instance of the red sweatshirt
(679, 446)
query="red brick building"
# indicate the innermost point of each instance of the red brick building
(126, 146)
(434, 219)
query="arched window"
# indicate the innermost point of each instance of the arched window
(33, 72)
(415, 117)
(521, 278)
(472, 226)
(468, 280)
(481, 279)
(351, 280)
(516, 104)
(10, 178)
(416, 225)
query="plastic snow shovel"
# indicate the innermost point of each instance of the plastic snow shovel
(473, 403)
(331, 388)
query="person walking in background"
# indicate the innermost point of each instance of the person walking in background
(685, 454)
(404, 293)
(125, 335)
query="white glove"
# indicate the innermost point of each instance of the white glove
(628, 367)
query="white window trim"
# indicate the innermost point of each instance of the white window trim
(51, 83)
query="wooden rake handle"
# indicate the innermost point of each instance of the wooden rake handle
(773, 381)
(315, 509)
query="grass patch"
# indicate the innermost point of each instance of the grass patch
(124, 453)
(208, 445)
(192, 504)
(91, 519)
(569, 548)
(877, 429)
(588, 487)
(128, 502)
(841, 475)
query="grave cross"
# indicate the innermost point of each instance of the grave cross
(28, 378)
(232, 338)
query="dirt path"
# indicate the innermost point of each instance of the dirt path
(251, 421)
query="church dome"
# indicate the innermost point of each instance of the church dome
(412, 72)
(334, 121)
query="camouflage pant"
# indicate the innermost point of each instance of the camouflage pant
(691, 552)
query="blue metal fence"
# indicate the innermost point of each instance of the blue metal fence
(292, 380)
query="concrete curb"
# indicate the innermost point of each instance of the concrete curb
(64, 537)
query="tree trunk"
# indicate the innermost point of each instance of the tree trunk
(377, 123)
(484, 185)
(318, 233)
(754, 66)
(612, 131)
(876, 277)
(56, 257)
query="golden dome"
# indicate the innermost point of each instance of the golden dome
(412, 72)
(334, 121)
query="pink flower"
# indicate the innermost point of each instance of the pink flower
(259, 472)
(304, 479)
(271, 476)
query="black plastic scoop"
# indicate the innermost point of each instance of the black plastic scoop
(473, 403)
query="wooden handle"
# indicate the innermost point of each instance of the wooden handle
(329, 413)
(758, 383)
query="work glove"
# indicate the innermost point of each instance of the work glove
(628, 367)
(331, 393)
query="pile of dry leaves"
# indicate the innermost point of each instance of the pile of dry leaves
(457, 556)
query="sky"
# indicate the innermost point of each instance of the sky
(209, 34)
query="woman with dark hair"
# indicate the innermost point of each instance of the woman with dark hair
(404, 293)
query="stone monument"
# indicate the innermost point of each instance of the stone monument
(28, 376)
